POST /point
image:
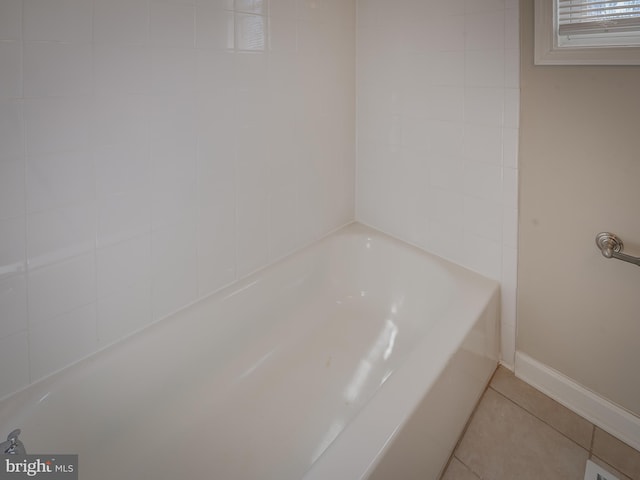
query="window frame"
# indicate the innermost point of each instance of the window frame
(548, 52)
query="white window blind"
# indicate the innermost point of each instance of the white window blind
(597, 17)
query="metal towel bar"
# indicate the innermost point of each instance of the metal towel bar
(611, 246)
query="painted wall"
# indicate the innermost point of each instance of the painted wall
(579, 174)
(154, 151)
(438, 99)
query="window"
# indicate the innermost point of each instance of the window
(583, 32)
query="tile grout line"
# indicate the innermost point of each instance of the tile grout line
(466, 466)
(540, 419)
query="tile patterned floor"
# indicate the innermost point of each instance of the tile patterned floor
(519, 433)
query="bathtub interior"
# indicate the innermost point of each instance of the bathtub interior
(256, 381)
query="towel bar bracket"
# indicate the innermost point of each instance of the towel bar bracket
(611, 246)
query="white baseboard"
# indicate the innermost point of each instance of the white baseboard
(601, 412)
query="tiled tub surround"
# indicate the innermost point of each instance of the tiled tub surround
(438, 119)
(518, 432)
(152, 152)
(351, 353)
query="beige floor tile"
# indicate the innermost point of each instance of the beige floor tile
(458, 471)
(505, 442)
(617, 454)
(548, 410)
(609, 468)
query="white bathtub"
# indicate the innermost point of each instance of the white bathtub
(358, 357)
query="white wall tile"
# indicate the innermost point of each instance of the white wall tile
(251, 71)
(121, 69)
(14, 363)
(485, 68)
(445, 172)
(282, 26)
(508, 300)
(447, 68)
(252, 201)
(484, 106)
(123, 312)
(174, 264)
(484, 31)
(59, 288)
(57, 20)
(510, 147)
(317, 208)
(446, 103)
(509, 283)
(123, 190)
(59, 179)
(12, 254)
(70, 338)
(13, 305)
(11, 129)
(474, 6)
(173, 72)
(447, 207)
(510, 188)
(173, 159)
(251, 32)
(512, 33)
(510, 227)
(251, 6)
(173, 124)
(483, 218)
(483, 144)
(12, 194)
(171, 24)
(11, 71)
(512, 107)
(61, 233)
(447, 241)
(121, 168)
(121, 217)
(283, 212)
(174, 187)
(446, 33)
(57, 124)
(120, 266)
(446, 139)
(214, 27)
(283, 185)
(121, 119)
(57, 69)
(412, 133)
(10, 20)
(483, 255)
(121, 21)
(483, 181)
(221, 4)
(512, 68)
(216, 211)
(252, 103)
(215, 75)
(507, 344)
(216, 251)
